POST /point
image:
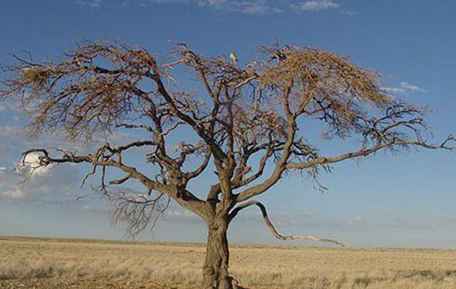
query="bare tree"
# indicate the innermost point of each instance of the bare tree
(245, 125)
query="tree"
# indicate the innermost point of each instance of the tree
(242, 122)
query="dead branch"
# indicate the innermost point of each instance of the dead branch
(271, 227)
(138, 211)
(180, 195)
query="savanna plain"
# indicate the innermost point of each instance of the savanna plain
(34, 263)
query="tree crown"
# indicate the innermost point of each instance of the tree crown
(243, 117)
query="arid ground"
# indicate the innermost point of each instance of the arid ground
(59, 264)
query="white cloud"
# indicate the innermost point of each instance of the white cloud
(13, 194)
(211, 2)
(10, 131)
(349, 12)
(90, 3)
(255, 7)
(239, 6)
(166, 1)
(411, 87)
(242, 6)
(393, 89)
(29, 180)
(357, 221)
(258, 7)
(30, 166)
(315, 5)
(43, 184)
(404, 87)
(12, 182)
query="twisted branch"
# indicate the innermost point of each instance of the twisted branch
(271, 227)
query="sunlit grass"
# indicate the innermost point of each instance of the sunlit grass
(51, 263)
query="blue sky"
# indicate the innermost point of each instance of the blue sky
(389, 200)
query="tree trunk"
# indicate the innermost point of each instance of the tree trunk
(215, 270)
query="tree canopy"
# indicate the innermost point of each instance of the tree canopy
(244, 118)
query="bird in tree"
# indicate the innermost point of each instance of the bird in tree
(233, 58)
(245, 127)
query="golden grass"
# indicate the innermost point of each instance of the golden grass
(40, 263)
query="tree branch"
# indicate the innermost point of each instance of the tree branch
(271, 227)
(218, 152)
(363, 152)
(280, 166)
(187, 199)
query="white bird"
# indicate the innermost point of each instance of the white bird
(233, 57)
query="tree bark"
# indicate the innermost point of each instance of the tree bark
(215, 270)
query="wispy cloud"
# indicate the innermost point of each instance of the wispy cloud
(357, 221)
(404, 87)
(164, 1)
(26, 179)
(349, 12)
(251, 7)
(43, 184)
(40, 182)
(315, 5)
(211, 2)
(90, 3)
(411, 87)
(8, 105)
(242, 6)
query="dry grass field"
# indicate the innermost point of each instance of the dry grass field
(59, 264)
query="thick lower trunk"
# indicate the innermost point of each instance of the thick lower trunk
(215, 270)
